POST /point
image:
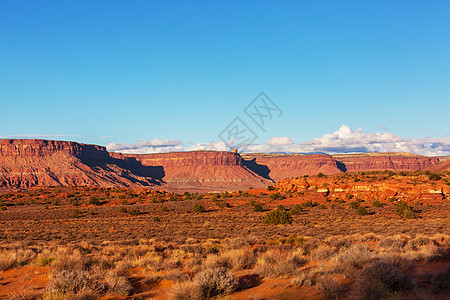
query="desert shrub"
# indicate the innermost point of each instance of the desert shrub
(124, 202)
(270, 188)
(15, 257)
(405, 211)
(434, 176)
(309, 203)
(331, 287)
(94, 200)
(390, 244)
(355, 204)
(240, 259)
(440, 281)
(214, 198)
(198, 208)
(75, 213)
(8, 260)
(347, 261)
(66, 259)
(320, 175)
(257, 207)
(322, 252)
(185, 291)
(362, 211)
(296, 210)
(163, 208)
(277, 217)
(156, 219)
(3, 208)
(213, 282)
(71, 283)
(275, 196)
(281, 207)
(134, 212)
(322, 206)
(381, 280)
(45, 258)
(279, 263)
(123, 210)
(118, 285)
(377, 203)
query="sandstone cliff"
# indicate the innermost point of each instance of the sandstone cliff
(26, 163)
(213, 169)
(279, 167)
(377, 162)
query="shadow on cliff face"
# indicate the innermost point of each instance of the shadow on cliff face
(261, 170)
(341, 166)
(153, 174)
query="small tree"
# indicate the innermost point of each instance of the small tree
(277, 217)
(297, 209)
(198, 208)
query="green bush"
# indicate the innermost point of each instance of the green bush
(75, 213)
(297, 209)
(198, 208)
(124, 202)
(361, 210)
(354, 204)
(434, 176)
(309, 203)
(270, 187)
(275, 196)
(405, 211)
(377, 203)
(94, 200)
(156, 219)
(320, 175)
(277, 217)
(123, 210)
(257, 207)
(163, 208)
(134, 212)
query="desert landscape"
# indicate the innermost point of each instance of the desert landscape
(79, 222)
(224, 150)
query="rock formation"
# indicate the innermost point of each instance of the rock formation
(27, 163)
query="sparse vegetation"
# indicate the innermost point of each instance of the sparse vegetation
(277, 217)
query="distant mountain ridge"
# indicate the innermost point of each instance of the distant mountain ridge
(32, 162)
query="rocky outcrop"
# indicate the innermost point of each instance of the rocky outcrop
(27, 163)
(287, 166)
(377, 162)
(213, 169)
(443, 165)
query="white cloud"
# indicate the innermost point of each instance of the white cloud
(280, 141)
(344, 140)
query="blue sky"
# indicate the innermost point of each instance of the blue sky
(126, 72)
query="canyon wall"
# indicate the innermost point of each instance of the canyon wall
(214, 169)
(26, 163)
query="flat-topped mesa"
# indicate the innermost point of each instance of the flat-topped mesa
(41, 148)
(368, 162)
(218, 169)
(198, 158)
(283, 166)
(27, 163)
